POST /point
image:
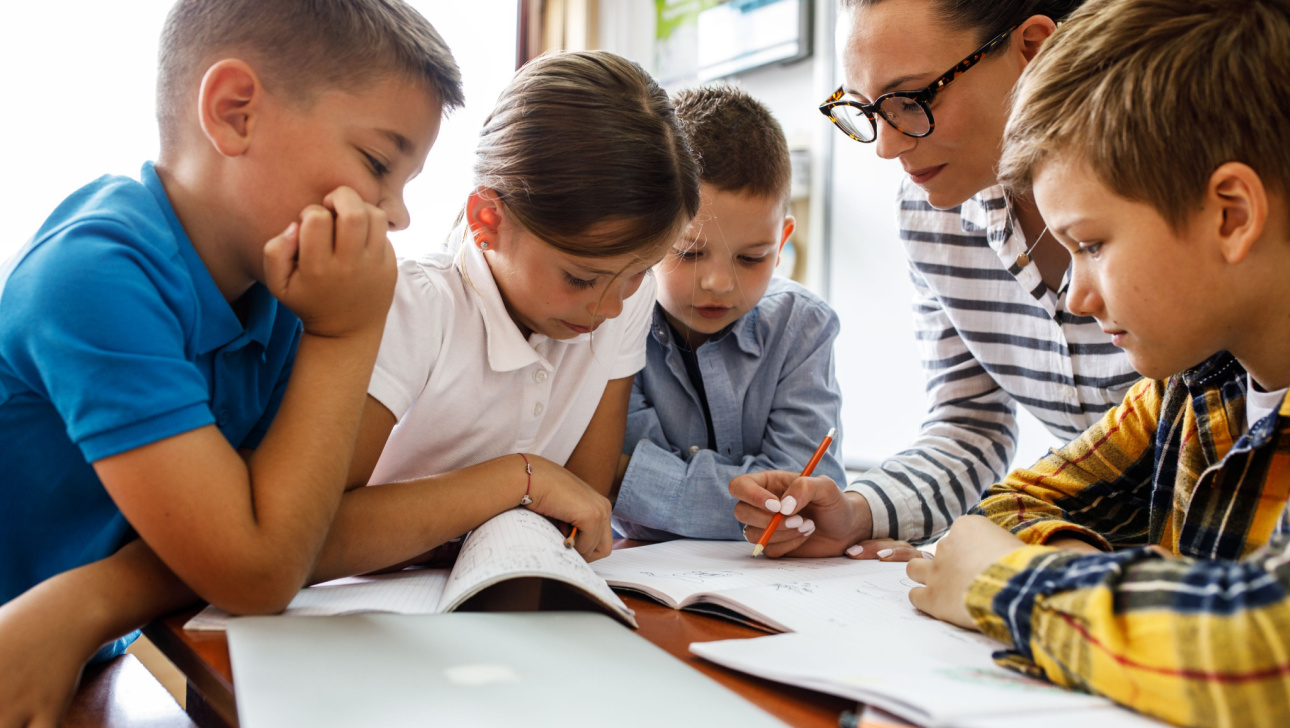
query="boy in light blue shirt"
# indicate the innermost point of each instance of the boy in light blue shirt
(739, 364)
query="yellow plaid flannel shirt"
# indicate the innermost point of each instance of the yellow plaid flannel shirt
(1189, 618)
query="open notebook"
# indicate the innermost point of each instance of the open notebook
(512, 545)
(777, 595)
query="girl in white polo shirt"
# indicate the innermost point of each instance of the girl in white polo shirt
(516, 352)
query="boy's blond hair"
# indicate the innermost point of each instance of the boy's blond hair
(300, 47)
(1154, 95)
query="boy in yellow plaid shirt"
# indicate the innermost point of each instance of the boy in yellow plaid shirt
(1148, 560)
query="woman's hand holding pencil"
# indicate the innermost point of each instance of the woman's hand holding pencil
(786, 506)
(812, 516)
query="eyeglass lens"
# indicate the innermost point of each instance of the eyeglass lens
(902, 112)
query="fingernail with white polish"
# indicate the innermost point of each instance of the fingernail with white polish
(772, 505)
(787, 505)
(855, 550)
(792, 522)
(807, 526)
(884, 553)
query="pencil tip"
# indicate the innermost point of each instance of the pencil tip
(757, 549)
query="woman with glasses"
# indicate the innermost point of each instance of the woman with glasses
(992, 321)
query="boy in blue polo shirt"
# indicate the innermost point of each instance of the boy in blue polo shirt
(185, 357)
(738, 374)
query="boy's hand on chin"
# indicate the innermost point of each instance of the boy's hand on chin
(973, 544)
(335, 268)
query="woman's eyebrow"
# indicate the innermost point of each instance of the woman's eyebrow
(892, 86)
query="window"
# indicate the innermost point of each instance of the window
(79, 104)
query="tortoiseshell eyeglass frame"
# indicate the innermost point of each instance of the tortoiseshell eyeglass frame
(922, 97)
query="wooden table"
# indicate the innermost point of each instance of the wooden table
(203, 658)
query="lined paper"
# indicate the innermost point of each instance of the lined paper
(520, 543)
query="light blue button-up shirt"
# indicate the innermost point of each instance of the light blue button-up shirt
(773, 396)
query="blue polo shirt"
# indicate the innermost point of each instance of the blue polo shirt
(112, 336)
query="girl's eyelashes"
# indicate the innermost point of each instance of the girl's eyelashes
(753, 259)
(1092, 249)
(578, 282)
(378, 168)
(688, 254)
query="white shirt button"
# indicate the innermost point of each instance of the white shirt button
(540, 376)
(1071, 393)
(537, 409)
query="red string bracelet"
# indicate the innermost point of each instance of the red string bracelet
(528, 469)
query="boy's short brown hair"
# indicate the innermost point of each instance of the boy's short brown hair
(1154, 95)
(300, 47)
(735, 139)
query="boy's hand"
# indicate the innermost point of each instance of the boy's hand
(973, 544)
(819, 518)
(559, 494)
(335, 269)
(41, 659)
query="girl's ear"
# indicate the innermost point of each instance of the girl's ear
(230, 101)
(1237, 194)
(484, 215)
(790, 224)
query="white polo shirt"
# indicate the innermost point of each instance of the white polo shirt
(466, 386)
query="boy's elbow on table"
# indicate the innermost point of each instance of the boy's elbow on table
(251, 589)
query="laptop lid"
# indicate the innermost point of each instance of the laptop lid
(468, 669)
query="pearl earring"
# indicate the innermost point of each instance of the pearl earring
(483, 245)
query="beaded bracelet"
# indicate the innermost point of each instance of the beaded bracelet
(528, 469)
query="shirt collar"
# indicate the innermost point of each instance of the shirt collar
(508, 350)
(744, 331)
(217, 324)
(987, 211)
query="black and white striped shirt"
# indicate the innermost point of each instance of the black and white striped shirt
(990, 335)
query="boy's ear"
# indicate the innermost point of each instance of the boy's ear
(790, 224)
(484, 214)
(1237, 193)
(1032, 34)
(230, 100)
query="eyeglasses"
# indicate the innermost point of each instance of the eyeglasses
(908, 112)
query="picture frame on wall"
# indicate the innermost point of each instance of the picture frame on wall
(705, 40)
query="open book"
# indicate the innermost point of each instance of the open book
(776, 595)
(512, 545)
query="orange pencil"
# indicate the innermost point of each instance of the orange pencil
(568, 542)
(774, 522)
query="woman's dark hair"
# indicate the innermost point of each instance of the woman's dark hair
(991, 17)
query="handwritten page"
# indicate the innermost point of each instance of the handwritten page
(521, 543)
(414, 591)
(678, 571)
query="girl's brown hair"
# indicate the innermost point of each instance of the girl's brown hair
(585, 151)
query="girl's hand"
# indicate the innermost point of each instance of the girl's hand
(973, 544)
(559, 494)
(819, 519)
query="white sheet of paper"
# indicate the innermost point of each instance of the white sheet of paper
(414, 591)
(922, 675)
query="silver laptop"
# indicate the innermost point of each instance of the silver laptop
(564, 669)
